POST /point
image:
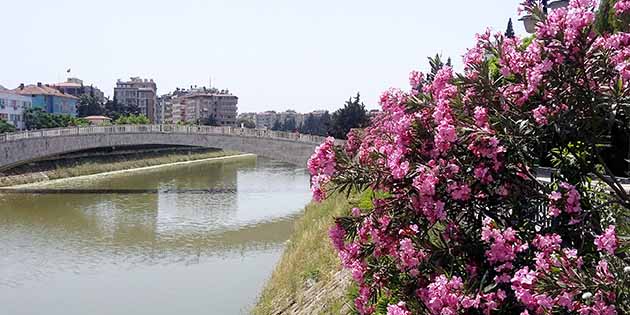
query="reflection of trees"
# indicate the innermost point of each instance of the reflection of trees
(145, 224)
(129, 223)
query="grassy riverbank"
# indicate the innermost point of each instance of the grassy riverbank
(51, 170)
(308, 279)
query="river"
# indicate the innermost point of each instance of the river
(194, 239)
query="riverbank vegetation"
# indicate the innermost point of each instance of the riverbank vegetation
(308, 264)
(66, 168)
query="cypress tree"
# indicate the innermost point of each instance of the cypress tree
(509, 32)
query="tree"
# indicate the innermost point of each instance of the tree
(209, 121)
(352, 115)
(36, 118)
(6, 127)
(450, 215)
(132, 120)
(89, 106)
(509, 32)
(277, 125)
(607, 20)
(323, 125)
(308, 126)
(246, 123)
(289, 124)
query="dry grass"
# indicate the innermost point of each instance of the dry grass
(309, 255)
(102, 164)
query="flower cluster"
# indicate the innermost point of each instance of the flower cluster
(321, 165)
(567, 199)
(455, 220)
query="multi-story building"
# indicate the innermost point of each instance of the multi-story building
(140, 93)
(200, 105)
(74, 86)
(265, 120)
(268, 119)
(165, 109)
(12, 106)
(49, 99)
(298, 118)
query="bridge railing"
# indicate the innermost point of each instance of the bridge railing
(177, 129)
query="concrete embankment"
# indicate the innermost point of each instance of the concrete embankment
(308, 279)
(45, 171)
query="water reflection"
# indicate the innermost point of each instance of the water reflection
(59, 239)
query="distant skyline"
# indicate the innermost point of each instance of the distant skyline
(274, 55)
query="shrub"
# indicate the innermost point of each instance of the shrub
(460, 222)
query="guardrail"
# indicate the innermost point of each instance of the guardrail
(177, 129)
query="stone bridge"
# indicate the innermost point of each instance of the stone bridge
(23, 147)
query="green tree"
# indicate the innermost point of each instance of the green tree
(509, 32)
(607, 22)
(352, 115)
(209, 121)
(309, 124)
(36, 118)
(323, 125)
(289, 124)
(277, 125)
(246, 123)
(89, 106)
(6, 127)
(132, 120)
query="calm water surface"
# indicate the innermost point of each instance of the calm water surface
(177, 251)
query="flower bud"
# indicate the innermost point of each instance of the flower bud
(587, 295)
(626, 269)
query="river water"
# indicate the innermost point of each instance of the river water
(195, 239)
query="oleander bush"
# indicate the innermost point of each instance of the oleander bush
(460, 222)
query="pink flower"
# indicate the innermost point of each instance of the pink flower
(337, 234)
(567, 199)
(415, 80)
(608, 241)
(322, 165)
(540, 115)
(481, 117)
(622, 6)
(408, 255)
(397, 309)
(443, 295)
(459, 192)
(446, 135)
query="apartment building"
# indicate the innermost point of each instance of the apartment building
(49, 99)
(200, 105)
(75, 87)
(140, 93)
(12, 106)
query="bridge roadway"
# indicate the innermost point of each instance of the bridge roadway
(27, 146)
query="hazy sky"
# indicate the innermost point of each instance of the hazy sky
(273, 54)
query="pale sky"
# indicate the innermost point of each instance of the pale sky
(272, 54)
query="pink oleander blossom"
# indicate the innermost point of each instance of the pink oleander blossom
(397, 309)
(608, 241)
(622, 6)
(447, 214)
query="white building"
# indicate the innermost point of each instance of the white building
(12, 106)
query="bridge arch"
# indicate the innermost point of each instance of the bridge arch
(23, 147)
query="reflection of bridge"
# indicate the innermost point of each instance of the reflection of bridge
(22, 147)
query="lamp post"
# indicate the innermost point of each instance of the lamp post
(530, 23)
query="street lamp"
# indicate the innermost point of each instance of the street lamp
(530, 23)
(558, 4)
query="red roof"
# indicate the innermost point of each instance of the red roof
(42, 90)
